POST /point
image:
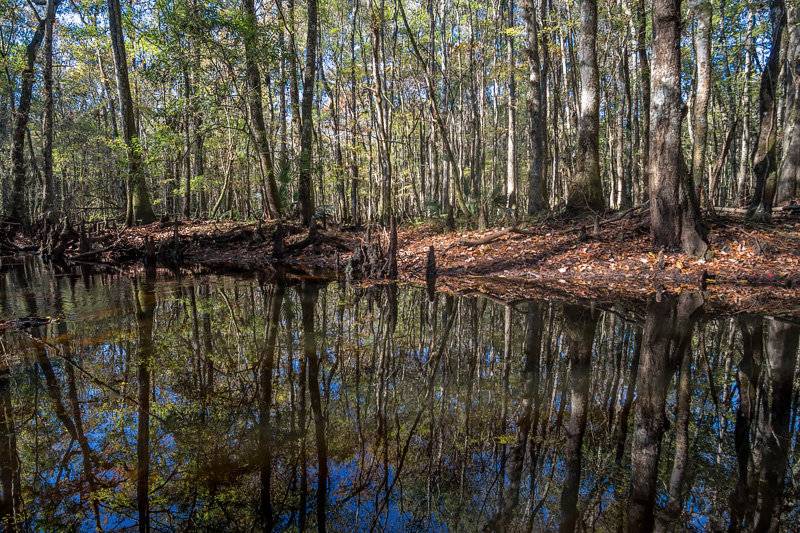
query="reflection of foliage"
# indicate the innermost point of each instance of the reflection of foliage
(398, 402)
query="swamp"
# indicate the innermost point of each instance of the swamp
(201, 403)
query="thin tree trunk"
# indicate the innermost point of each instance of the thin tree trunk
(141, 210)
(305, 191)
(511, 148)
(702, 45)
(48, 194)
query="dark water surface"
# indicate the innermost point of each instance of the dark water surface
(216, 403)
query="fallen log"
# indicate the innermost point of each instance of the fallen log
(496, 235)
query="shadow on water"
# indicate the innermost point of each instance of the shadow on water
(209, 403)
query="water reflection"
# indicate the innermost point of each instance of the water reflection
(213, 403)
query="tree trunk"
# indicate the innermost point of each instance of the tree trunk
(16, 206)
(644, 67)
(48, 194)
(675, 214)
(790, 169)
(141, 210)
(765, 157)
(254, 102)
(305, 191)
(511, 148)
(702, 45)
(537, 111)
(586, 190)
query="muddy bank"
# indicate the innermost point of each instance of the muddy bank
(750, 267)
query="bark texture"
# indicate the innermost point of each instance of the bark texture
(675, 215)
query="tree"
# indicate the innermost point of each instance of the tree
(537, 110)
(139, 210)
(702, 44)
(765, 157)
(254, 103)
(675, 220)
(48, 194)
(305, 193)
(16, 207)
(587, 188)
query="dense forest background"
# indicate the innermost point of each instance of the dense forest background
(356, 111)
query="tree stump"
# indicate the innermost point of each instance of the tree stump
(278, 241)
(392, 274)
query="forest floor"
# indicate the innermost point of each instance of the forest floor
(751, 267)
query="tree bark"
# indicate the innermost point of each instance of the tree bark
(141, 210)
(586, 190)
(16, 206)
(511, 148)
(537, 111)
(790, 168)
(305, 191)
(702, 45)
(254, 102)
(765, 157)
(675, 215)
(48, 194)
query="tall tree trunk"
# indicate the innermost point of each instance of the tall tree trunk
(702, 45)
(141, 210)
(187, 167)
(16, 206)
(675, 215)
(48, 194)
(511, 148)
(644, 68)
(254, 102)
(586, 191)
(537, 110)
(765, 157)
(744, 151)
(789, 180)
(305, 191)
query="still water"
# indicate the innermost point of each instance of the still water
(221, 403)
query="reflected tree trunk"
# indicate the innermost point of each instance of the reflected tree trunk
(747, 377)
(667, 520)
(265, 406)
(10, 499)
(774, 422)
(308, 302)
(145, 314)
(580, 324)
(667, 335)
(530, 389)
